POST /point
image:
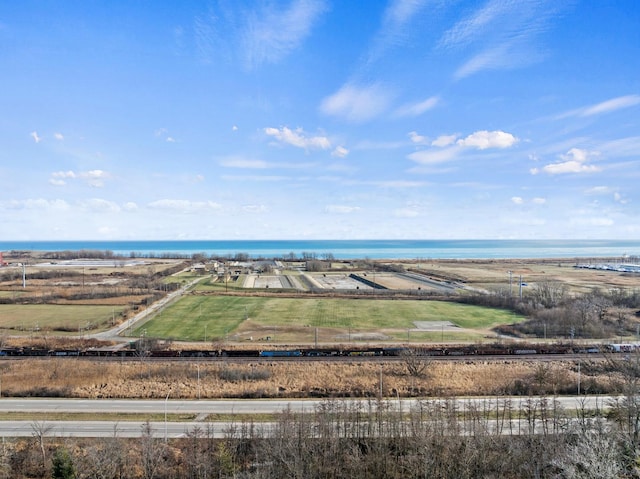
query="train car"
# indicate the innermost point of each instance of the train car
(623, 347)
(240, 353)
(199, 353)
(322, 352)
(64, 352)
(397, 351)
(281, 354)
(164, 353)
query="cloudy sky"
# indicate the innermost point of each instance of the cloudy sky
(319, 119)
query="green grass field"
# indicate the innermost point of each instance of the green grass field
(219, 316)
(50, 317)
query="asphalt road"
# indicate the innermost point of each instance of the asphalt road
(114, 333)
(172, 429)
(250, 406)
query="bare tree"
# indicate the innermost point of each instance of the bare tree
(151, 451)
(416, 365)
(40, 430)
(549, 293)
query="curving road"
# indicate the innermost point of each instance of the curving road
(113, 334)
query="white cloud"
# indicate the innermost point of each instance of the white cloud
(612, 105)
(99, 204)
(618, 198)
(489, 59)
(517, 200)
(244, 163)
(94, 178)
(164, 134)
(255, 208)
(417, 109)
(428, 157)
(621, 147)
(416, 138)
(607, 106)
(591, 221)
(483, 140)
(504, 30)
(340, 152)
(271, 34)
(539, 201)
(260, 178)
(599, 190)
(298, 138)
(185, 206)
(447, 150)
(64, 174)
(36, 138)
(357, 104)
(341, 209)
(58, 136)
(130, 206)
(574, 161)
(467, 30)
(444, 140)
(405, 213)
(402, 184)
(379, 145)
(395, 25)
(35, 204)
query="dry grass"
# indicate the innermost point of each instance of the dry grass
(144, 379)
(494, 273)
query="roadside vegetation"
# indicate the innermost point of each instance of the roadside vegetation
(407, 377)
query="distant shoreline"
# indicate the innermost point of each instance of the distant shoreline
(418, 250)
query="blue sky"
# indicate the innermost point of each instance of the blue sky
(319, 119)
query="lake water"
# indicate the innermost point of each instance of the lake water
(352, 249)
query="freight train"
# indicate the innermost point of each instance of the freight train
(520, 349)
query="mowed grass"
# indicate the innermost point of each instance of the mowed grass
(194, 316)
(26, 317)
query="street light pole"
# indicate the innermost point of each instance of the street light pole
(165, 415)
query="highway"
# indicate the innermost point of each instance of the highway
(269, 406)
(244, 409)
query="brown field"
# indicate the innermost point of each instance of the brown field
(273, 379)
(492, 274)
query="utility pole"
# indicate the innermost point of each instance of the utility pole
(165, 415)
(520, 284)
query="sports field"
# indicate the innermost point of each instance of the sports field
(196, 318)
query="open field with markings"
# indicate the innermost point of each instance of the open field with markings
(242, 318)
